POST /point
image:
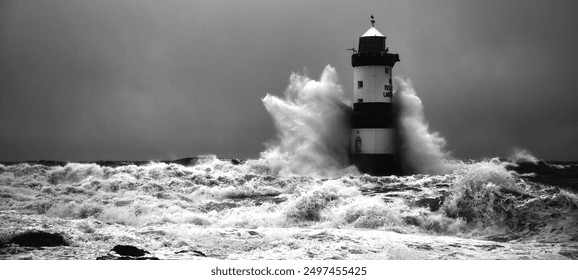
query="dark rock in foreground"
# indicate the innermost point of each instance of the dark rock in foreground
(127, 252)
(36, 238)
(113, 257)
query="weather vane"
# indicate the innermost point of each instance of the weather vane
(372, 21)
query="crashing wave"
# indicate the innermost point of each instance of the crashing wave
(478, 199)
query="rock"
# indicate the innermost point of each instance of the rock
(128, 250)
(192, 252)
(251, 232)
(113, 257)
(37, 238)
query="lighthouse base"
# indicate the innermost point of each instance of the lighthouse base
(376, 164)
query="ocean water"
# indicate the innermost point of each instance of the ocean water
(230, 209)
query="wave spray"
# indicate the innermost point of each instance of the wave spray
(421, 151)
(312, 122)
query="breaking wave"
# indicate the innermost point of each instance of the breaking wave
(312, 122)
(520, 155)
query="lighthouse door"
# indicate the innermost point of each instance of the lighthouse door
(358, 145)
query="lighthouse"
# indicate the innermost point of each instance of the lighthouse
(373, 132)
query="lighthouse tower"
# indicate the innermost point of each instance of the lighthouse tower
(373, 133)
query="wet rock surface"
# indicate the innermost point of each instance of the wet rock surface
(37, 238)
(127, 252)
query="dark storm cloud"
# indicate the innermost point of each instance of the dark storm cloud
(86, 80)
(124, 79)
(505, 78)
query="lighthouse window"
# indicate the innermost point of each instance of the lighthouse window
(386, 70)
(359, 84)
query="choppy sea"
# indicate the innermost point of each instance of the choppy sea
(233, 209)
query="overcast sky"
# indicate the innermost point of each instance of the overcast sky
(149, 79)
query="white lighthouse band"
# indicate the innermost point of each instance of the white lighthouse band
(372, 83)
(373, 141)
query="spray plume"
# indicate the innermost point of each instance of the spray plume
(422, 151)
(520, 155)
(312, 127)
(313, 130)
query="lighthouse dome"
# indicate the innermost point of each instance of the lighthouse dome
(372, 49)
(372, 32)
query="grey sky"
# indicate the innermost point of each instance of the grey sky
(148, 79)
